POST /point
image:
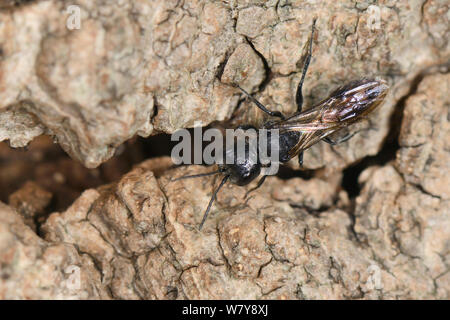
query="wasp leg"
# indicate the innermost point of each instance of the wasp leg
(299, 94)
(261, 106)
(260, 182)
(340, 140)
(300, 159)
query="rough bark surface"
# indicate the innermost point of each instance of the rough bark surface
(142, 67)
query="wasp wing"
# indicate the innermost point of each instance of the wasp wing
(311, 126)
(345, 106)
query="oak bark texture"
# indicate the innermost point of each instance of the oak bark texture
(146, 67)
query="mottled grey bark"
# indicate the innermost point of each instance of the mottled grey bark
(141, 67)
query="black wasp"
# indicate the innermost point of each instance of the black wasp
(346, 105)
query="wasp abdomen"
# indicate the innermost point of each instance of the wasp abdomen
(349, 103)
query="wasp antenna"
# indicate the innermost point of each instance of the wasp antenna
(197, 175)
(211, 201)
